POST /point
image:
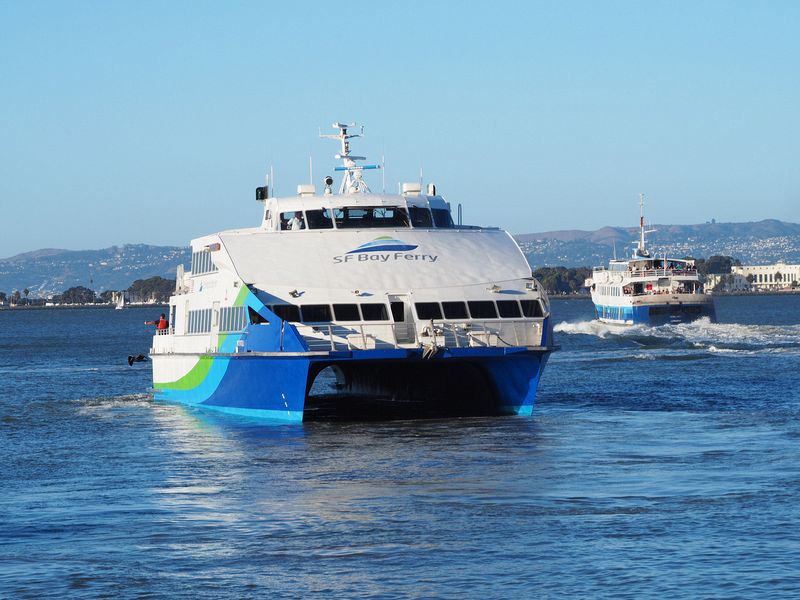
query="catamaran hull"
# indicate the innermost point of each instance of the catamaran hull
(459, 381)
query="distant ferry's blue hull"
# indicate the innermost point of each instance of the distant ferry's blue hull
(658, 314)
(496, 380)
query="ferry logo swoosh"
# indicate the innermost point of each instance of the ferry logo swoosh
(382, 244)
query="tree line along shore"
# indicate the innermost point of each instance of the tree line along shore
(154, 290)
(557, 281)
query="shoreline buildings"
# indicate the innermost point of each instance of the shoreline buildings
(757, 278)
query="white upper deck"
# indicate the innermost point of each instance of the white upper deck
(329, 242)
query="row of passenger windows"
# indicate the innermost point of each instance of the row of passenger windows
(201, 262)
(477, 309)
(609, 290)
(199, 321)
(232, 318)
(318, 313)
(364, 217)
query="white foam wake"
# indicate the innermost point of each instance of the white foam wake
(701, 334)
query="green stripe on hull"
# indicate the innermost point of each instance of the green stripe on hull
(192, 379)
(199, 372)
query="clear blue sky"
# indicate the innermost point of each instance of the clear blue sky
(154, 122)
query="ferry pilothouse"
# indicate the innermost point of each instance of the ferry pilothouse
(648, 289)
(383, 291)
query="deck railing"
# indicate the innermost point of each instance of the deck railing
(465, 334)
(503, 333)
(650, 272)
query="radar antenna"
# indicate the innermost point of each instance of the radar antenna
(641, 249)
(352, 181)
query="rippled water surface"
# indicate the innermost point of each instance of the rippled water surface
(660, 462)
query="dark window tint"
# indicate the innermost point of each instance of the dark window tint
(531, 308)
(374, 312)
(442, 218)
(455, 310)
(398, 312)
(370, 216)
(428, 310)
(346, 312)
(508, 309)
(420, 217)
(316, 313)
(482, 309)
(255, 318)
(287, 312)
(319, 219)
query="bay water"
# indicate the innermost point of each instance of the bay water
(660, 462)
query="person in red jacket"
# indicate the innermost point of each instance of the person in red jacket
(161, 324)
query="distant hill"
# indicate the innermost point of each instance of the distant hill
(753, 243)
(51, 271)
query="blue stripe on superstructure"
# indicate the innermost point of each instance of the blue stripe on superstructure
(385, 248)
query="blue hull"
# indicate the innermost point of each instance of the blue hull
(465, 381)
(655, 314)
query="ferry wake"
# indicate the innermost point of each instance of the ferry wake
(383, 292)
(647, 289)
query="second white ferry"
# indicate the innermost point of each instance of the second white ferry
(648, 289)
(384, 292)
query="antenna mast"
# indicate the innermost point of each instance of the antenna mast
(641, 250)
(352, 182)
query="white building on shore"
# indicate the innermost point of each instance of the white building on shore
(769, 277)
(732, 282)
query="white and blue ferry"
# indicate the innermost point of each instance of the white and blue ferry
(649, 289)
(383, 291)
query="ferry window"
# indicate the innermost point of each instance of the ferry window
(420, 217)
(292, 220)
(231, 318)
(346, 312)
(199, 321)
(366, 217)
(255, 318)
(319, 219)
(287, 312)
(315, 313)
(508, 309)
(398, 311)
(374, 312)
(482, 309)
(442, 218)
(428, 310)
(202, 263)
(531, 308)
(455, 310)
